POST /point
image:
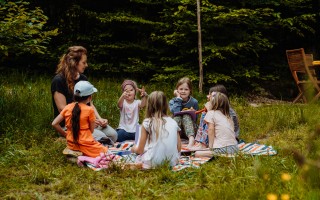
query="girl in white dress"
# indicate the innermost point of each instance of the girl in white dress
(159, 140)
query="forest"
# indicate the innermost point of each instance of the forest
(243, 41)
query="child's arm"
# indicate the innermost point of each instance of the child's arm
(179, 142)
(56, 125)
(211, 133)
(175, 105)
(99, 120)
(92, 126)
(142, 142)
(143, 95)
(92, 120)
(121, 99)
(235, 119)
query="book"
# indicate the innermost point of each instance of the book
(192, 113)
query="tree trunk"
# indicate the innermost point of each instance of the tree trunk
(199, 48)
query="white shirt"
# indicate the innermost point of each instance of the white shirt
(129, 116)
(165, 147)
(223, 127)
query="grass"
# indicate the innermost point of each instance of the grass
(32, 165)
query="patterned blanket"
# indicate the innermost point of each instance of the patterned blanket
(122, 150)
(255, 149)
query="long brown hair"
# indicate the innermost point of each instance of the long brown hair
(68, 64)
(220, 102)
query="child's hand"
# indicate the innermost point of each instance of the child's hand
(176, 93)
(125, 94)
(142, 91)
(133, 148)
(101, 122)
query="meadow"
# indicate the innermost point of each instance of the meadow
(32, 165)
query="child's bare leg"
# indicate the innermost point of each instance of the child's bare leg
(132, 166)
(188, 127)
(203, 154)
(198, 146)
(191, 141)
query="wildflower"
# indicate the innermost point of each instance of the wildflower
(285, 197)
(305, 167)
(265, 176)
(285, 177)
(271, 196)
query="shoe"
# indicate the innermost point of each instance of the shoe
(71, 153)
(106, 141)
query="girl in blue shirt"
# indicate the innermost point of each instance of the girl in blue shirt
(184, 101)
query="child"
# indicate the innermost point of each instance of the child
(221, 135)
(183, 101)
(202, 136)
(70, 70)
(80, 122)
(159, 139)
(129, 110)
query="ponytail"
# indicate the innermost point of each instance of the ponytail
(75, 121)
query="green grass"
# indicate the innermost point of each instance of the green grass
(32, 165)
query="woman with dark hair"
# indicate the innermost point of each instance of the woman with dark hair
(69, 72)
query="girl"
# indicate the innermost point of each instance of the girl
(80, 122)
(70, 71)
(221, 135)
(182, 101)
(159, 140)
(202, 133)
(129, 110)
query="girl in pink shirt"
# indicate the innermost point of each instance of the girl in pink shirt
(221, 135)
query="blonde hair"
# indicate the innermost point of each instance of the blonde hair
(68, 64)
(220, 102)
(185, 80)
(157, 108)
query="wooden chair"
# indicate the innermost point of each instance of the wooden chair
(313, 75)
(304, 75)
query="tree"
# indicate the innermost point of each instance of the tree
(237, 38)
(199, 47)
(22, 30)
(243, 42)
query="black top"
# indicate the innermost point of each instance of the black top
(59, 84)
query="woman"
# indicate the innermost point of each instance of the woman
(69, 72)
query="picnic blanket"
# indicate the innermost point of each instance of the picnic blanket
(255, 149)
(123, 154)
(184, 161)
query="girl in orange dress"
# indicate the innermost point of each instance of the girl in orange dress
(80, 122)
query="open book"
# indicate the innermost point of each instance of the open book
(192, 113)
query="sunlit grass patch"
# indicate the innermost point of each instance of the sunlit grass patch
(33, 166)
